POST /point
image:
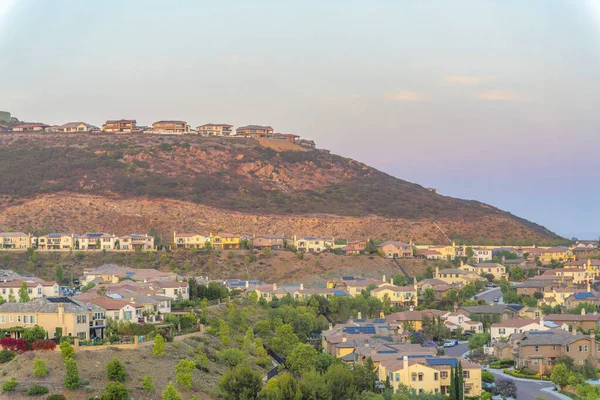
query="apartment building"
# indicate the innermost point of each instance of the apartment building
(170, 127)
(190, 240)
(59, 316)
(430, 374)
(35, 288)
(120, 126)
(15, 240)
(215, 130)
(254, 131)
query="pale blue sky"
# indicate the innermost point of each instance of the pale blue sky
(491, 100)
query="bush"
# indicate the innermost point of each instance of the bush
(486, 396)
(487, 377)
(148, 384)
(36, 390)
(160, 346)
(517, 374)
(56, 397)
(66, 350)
(115, 371)
(10, 385)
(6, 356)
(115, 391)
(232, 357)
(72, 374)
(183, 375)
(39, 367)
(502, 364)
(11, 344)
(42, 344)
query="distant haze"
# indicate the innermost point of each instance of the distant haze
(491, 100)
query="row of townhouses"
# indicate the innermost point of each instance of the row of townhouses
(73, 241)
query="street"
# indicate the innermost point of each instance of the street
(526, 390)
(489, 295)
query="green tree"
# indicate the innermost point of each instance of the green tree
(232, 357)
(148, 384)
(284, 340)
(429, 295)
(314, 387)
(39, 367)
(340, 382)
(288, 387)
(478, 340)
(11, 297)
(170, 393)
(72, 374)
(301, 359)
(23, 293)
(160, 346)
(240, 382)
(66, 350)
(115, 370)
(60, 274)
(224, 332)
(115, 391)
(230, 255)
(365, 376)
(560, 375)
(183, 373)
(267, 252)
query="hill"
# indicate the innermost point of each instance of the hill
(79, 182)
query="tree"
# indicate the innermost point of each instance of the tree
(183, 373)
(267, 252)
(340, 382)
(365, 376)
(148, 384)
(66, 350)
(478, 340)
(160, 346)
(224, 332)
(170, 393)
(23, 293)
(230, 255)
(59, 273)
(506, 388)
(115, 391)
(115, 370)
(560, 375)
(429, 295)
(72, 374)
(301, 359)
(233, 357)
(240, 382)
(314, 387)
(39, 367)
(284, 340)
(11, 297)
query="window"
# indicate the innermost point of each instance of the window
(18, 318)
(32, 319)
(10, 319)
(444, 374)
(580, 348)
(397, 376)
(580, 362)
(3, 291)
(435, 376)
(82, 335)
(116, 316)
(465, 374)
(554, 347)
(537, 348)
(420, 376)
(30, 290)
(585, 348)
(25, 319)
(436, 390)
(3, 319)
(414, 377)
(568, 348)
(82, 319)
(420, 391)
(501, 331)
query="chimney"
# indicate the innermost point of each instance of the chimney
(274, 286)
(574, 331)
(247, 284)
(359, 316)
(437, 271)
(583, 311)
(542, 320)
(381, 314)
(412, 308)
(302, 286)
(593, 343)
(405, 369)
(383, 278)
(589, 287)
(330, 326)
(61, 312)
(344, 338)
(392, 281)
(373, 350)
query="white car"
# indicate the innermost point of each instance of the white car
(449, 343)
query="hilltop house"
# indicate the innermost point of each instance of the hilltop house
(313, 244)
(134, 241)
(254, 131)
(273, 242)
(15, 240)
(120, 126)
(35, 127)
(170, 127)
(56, 241)
(75, 127)
(355, 247)
(215, 130)
(225, 241)
(190, 240)
(396, 249)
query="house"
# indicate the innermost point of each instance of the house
(36, 127)
(135, 241)
(313, 244)
(483, 269)
(560, 254)
(430, 255)
(396, 249)
(521, 311)
(448, 252)
(354, 285)
(580, 275)
(35, 288)
(585, 321)
(287, 136)
(355, 247)
(225, 241)
(412, 320)
(111, 273)
(592, 266)
(307, 143)
(558, 296)
(120, 126)
(56, 241)
(453, 276)
(439, 287)
(273, 242)
(585, 252)
(254, 131)
(15, 240)
(116, 309)
(190, 240)
(576, 299)
(429, 374)
(492, 313)
(74, 127)
(170, 127)
(507, 327)
(538, 351)
(530, 287)
(95, 241)
(398, 295)
(59, 316)
(215, 130)
(456, 319)
(588, 244)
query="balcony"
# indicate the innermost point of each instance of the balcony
(97, 323)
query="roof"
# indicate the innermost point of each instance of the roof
(535, 284)
(573, 317)
(487, 265)
(255, 127)
(550, 338)
(49, 305)
(109, 303)
(169, 122)
(12, 234)
(227, 125)
(393, 288)
(495, 309)
(395, 243)
(515, 323)
(73, 125)
(126, 121)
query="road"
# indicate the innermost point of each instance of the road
(489, 295)
(526, 390)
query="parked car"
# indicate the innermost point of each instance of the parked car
(496, 299)
(468, 333)
(449, 343)
(491, 285)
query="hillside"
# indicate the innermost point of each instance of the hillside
(79, 182)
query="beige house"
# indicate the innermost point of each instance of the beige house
(398, 295)
(116, 309)
(120, 126)
(429, 375)
(190, 240)
(482, 269)
(56, 241)
(59, 316)
(507, 327)
(170, 127)
(396, 249)
(134, 241)
(254, 131)
(313, 244)
(35, 289)
(15, 240)
(453, 276)
(215, 130)
(74, 127)
(456, 319)
(95, 241)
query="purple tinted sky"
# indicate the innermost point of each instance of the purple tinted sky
(489, 100)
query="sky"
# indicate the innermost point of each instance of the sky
(489, 100)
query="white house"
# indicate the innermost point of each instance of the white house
(453, 320)
(507, 327)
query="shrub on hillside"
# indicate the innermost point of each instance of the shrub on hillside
(36, 390)
(39, 367)
(6, 356)
(43, 344)
(10, 385)
(56, 397)
(66, 350)
(115, 391)
(115, 370)
(72, 374)
(148, 384)
(14, 344)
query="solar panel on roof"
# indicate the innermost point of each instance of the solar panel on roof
(384, 327)
(94, 234)
(347, 278)
(59, 300)
(540, 333)
(339, 293)
(387, 352)
(443, 361)
(379, 320)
